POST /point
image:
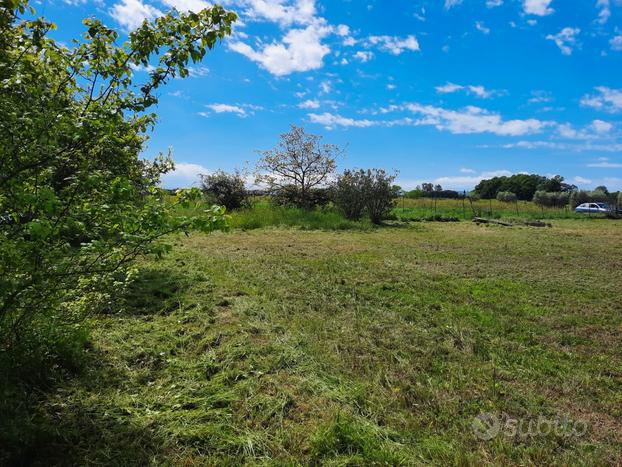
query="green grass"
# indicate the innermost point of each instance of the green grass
(288, 346)
(465, 209)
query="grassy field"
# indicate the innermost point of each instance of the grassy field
(288, 346)
(468, 209)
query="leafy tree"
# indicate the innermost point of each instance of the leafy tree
(299, 160)
(523, 185)
(378, 193)
(602, 188)
(349, 195)
(77, 204)
(225, 189)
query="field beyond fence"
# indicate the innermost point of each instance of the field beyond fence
(467, 209)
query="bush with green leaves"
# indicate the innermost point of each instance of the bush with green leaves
(348, 193)
(370, 190)
(225, 189)
(291, 196)
(77, 203)
(507, 197)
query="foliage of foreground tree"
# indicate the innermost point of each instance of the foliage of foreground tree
(77, 204)
(299, 160)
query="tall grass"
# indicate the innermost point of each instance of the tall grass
(263, 215)
(464, 209)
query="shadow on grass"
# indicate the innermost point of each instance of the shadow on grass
(54, 387)
(155, 291)
(59, 420)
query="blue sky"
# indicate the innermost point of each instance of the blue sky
(448, 91)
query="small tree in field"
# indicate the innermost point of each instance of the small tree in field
(379, 193)
(506, 197)
(349, 195)
(299, 160)
(225, 189)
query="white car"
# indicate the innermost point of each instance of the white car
(592, 208)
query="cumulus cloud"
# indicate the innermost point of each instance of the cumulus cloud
(241, 110)
(481, 27)
(130, 14)
(331, 121)
(606, 99)
(309, 104)
(565, 39)
(605, 163)
(479, 91)
(452, 3)
(465, 121)
(185, 175)
(395, 45)
(537, 7)
(186, 5)
(299, 50)
(473, 119)
(281, 12)
(616, 43)
(363, 55)
(604, 11)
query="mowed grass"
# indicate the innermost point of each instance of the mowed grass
(285, 347)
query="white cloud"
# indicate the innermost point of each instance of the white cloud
(493, 3)
(601, 127)
(565, 39)
(479, 91)
(131, 13)
(481, 27)
(474, 120)
(184, 175)
(395, 45)
(537, 7)
(309, 104)
(280, 11)
(604, 163)
(300, 50)
(607, 99)
(331, 121)
(466, 121)
(616, 43)
(241, 110)
(466, 170)
(604, 11)
(363, 55)
(452, 3)
(197, 71)
(581, 180)
(468, 181)
(186, 5)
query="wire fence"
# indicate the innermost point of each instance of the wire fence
(467, 208)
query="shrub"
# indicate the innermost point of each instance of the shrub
(506, 197)
(551, 199)
(583, 196)
(291, 196)
(348, 194)
(225, 189)
(378, 193)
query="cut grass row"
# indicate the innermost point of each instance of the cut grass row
(282, 346)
